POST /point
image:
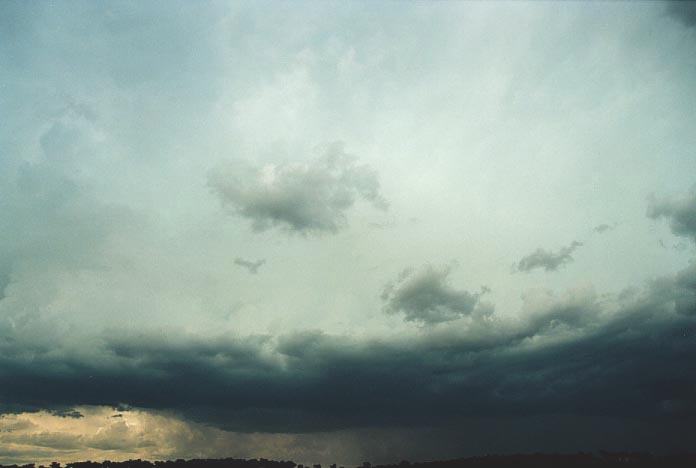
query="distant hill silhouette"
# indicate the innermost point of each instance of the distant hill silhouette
(537, 460)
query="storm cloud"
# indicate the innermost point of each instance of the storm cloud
(546, 259)
(152, 157)
(301, 197)
(576, 355)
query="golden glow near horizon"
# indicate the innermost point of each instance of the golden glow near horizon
(103, 433)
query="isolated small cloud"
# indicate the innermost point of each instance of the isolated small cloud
(604, 227)
(549, 261)
(426, 297)
(679, 211)
(301, 197)
(251, 266)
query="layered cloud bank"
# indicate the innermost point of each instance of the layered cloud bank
(188, 259)
(626, 356)
(629, 358)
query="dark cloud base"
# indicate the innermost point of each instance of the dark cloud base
(635, 362)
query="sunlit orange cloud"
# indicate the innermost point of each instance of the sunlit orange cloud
(103, 433)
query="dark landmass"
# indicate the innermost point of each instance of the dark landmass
(537, 460)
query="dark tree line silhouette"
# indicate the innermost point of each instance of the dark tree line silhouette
(537, 460)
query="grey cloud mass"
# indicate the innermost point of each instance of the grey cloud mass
(679, 211)
(301, 197)
(425, 296)
(546, 259)
(575, 354)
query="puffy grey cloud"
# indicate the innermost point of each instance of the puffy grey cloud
(251, 266)
(548, 260)
(301, 197)
(425, 296)
(679, 211)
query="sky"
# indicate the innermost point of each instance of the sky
(346, 231)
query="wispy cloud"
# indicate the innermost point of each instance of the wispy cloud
(546, 259)
(251, 266)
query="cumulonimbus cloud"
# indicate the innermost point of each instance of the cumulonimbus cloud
(303, 197)
(546, 259)
(577, 354)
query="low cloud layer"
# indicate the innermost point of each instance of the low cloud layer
(426, 297)
(300, 197)
(546, 259)
(679, 211)
(630, 356)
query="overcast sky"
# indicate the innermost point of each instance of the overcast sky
(343, 231)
